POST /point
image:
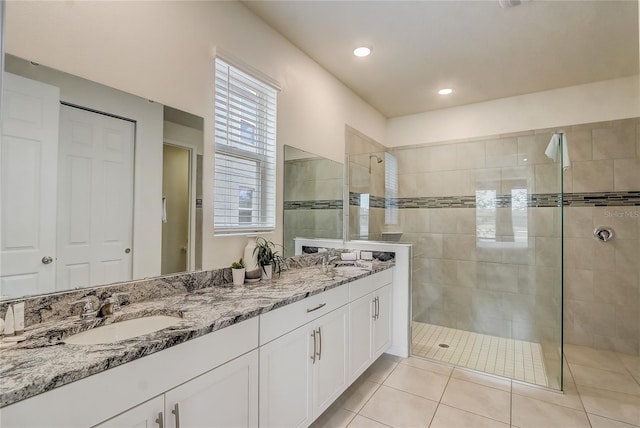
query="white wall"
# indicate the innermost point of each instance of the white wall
(594, 102)
(183, 134)
(164, 51)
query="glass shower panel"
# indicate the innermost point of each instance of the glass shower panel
(485, 221)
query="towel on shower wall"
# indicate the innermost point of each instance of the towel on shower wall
(554, 147)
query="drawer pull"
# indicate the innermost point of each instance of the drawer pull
(176, 412)
(160, 420)
(315, 347)
(321, 305)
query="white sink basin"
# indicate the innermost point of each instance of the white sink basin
(122, 330)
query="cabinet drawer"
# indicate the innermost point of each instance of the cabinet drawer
(280, 321)
(369, 284)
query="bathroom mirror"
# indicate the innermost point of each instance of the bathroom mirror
(98, 185)
(313, 189)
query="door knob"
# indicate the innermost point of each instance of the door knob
(127, 250)
(47, 259)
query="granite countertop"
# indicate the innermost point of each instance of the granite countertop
(44, 362)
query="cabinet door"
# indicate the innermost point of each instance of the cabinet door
(224, 397)
(285, 379)
(330, 377)
(146, 415)
(360, 334)
(382, 323)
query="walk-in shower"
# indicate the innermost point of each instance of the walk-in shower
(485, 221)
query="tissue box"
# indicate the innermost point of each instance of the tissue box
(348, 256)
(366, 255)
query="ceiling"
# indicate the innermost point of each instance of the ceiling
(477, 48)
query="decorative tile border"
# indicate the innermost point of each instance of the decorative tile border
(602, 199)
(592, 199)
(328, 204)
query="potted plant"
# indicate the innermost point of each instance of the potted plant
(269, 260)
(238, 270)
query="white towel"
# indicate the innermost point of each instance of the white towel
(554, 147)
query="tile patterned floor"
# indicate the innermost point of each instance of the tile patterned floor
(602, 390)
(511, 358)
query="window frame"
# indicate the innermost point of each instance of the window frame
(253, 101)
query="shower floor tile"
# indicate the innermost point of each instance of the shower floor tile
(515, 359)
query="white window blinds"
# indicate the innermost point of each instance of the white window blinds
(245, 160)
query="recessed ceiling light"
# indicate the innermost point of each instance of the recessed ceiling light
(445, 91)
(362, 51)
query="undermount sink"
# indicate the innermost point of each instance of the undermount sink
(123, 330)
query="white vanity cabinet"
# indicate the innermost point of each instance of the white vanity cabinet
(146, 415)
(303, 371)
(281, 369)
(219, 364)
(224, 397)
(369, 321)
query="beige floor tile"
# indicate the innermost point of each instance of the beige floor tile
(399, 409)
(416, 381)
(431, 366)
(604, 379)
(355, 397)
(333, 417)
(600, 422)
(569, 398)
(362, 422)
(492, 381)
(450, 417)
(591, 357)
(380, 369)
(479, 399)
(528, 412)
(613, 405)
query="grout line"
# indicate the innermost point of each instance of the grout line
(440, 400)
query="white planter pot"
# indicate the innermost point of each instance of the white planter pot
(238, 276)
(267, 271)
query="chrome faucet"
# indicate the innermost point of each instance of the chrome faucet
(326, 259)
(110, 305)
(87, 309)
(116, 300)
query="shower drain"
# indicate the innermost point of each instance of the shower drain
(443, 345)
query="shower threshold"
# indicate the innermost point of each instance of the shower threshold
(515, 359)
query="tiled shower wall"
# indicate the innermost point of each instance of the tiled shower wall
(602, 299)
(312, 200)
(512, 291)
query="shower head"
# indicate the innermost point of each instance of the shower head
(377, 158)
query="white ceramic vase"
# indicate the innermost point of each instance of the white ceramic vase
(238, 276)
(251, 259)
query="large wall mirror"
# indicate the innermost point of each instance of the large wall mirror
(98, 185)
(313, 189)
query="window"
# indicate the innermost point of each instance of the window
(245, 160)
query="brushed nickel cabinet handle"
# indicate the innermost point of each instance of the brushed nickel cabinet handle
(377, 307)
(176, 412)
(160, 420)
(320, 346)
(313, 356)
(321, 305)
(373, 302)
